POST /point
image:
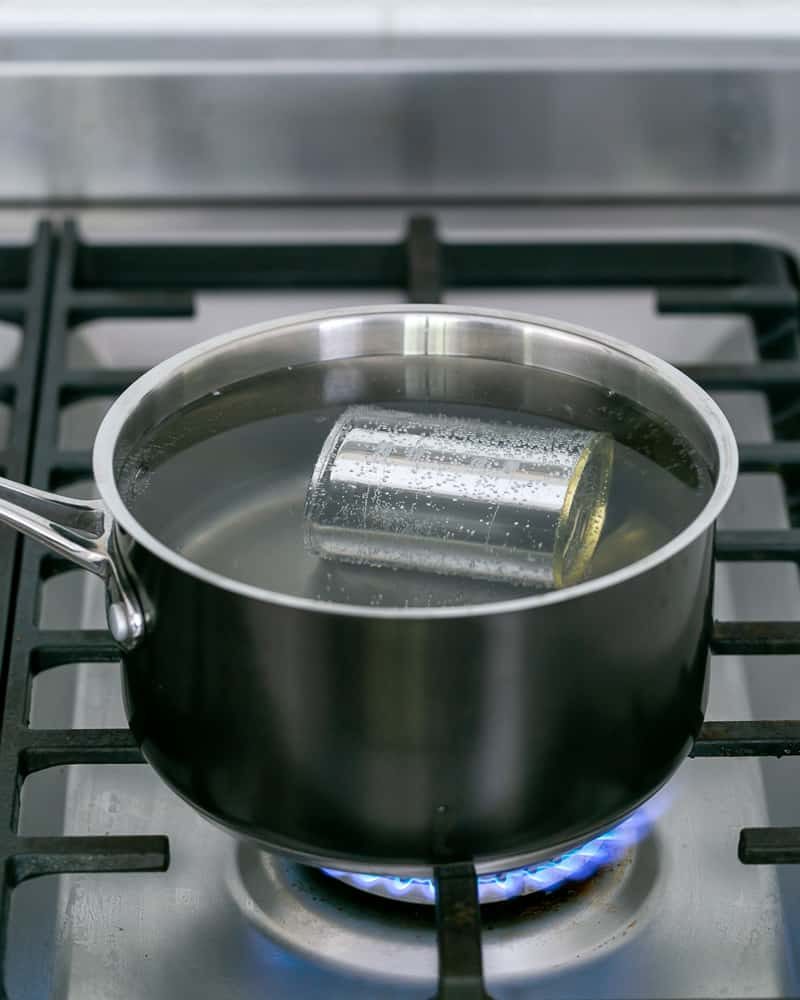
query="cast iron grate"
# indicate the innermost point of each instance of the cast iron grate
(23, 296)
(91, 280)
(24, 751)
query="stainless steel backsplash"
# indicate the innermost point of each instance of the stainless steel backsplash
(127, 119)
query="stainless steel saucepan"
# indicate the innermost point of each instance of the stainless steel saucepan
(391, 739)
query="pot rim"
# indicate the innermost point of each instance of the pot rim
(705, 408)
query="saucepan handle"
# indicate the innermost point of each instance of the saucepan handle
(81, 531)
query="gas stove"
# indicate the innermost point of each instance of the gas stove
(143, 898)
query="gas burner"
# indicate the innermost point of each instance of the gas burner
(547, 876)
(331, 925)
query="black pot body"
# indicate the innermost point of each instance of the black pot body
(392, 744)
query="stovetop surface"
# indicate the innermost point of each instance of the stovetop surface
(679, 917)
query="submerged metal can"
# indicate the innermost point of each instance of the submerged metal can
(458, 496)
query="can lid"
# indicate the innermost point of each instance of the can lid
(583, 513)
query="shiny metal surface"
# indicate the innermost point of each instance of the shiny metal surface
(280, 117)
(427, 331)
(560, 728)
(81, 531)
(522, 505)
(94, 937)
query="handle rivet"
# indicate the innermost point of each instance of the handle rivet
(119, 623)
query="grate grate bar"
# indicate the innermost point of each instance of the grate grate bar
(88, 305)
(721, 299)
(69, 646)
(37, 856)
(756, 637)
(458, 932)
(770, 846)
(198, 266)
(424, 261)
(748, 739)
(99, 381)
(14, 305)
(772, 456)
(43, 748)
(663, 265)
(767, 374)
(758, 546)
(73, 463)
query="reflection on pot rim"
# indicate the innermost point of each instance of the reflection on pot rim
(516, 338)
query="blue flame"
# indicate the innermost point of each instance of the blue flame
(574, 866)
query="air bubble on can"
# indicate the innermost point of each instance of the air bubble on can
(457, 496)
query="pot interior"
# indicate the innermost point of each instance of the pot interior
(216, 458)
